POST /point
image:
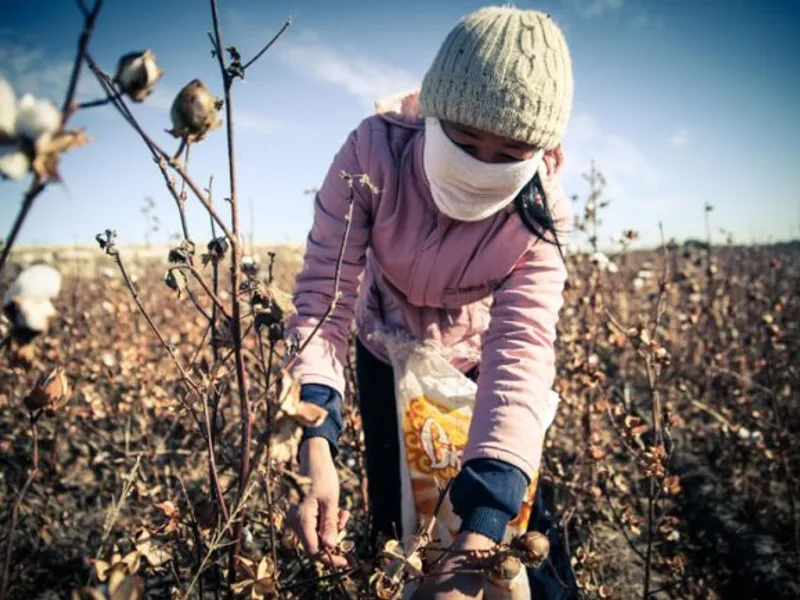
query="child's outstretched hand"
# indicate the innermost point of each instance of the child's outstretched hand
(317, 520)
(446, 583)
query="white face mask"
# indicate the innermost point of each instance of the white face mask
(465, 188)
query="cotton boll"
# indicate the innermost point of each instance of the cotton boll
(194, 112)
(600, 259)
(36, 117)
(28, 302)
(137, 74)
(8, 108)
(33, 315)
(37, 282)
(14, 163)
(603, 262)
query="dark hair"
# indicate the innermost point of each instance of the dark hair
(534, 210)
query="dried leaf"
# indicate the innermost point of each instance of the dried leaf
(132, 561)
(176, 280)
(48, 151)
(245, 568)
(310, 415)
(87, 593)
(101, 569)
(129, 588)
(49, 391)
(116, 577)
(153, 551)
(266, 568)
(596, 453)
(168, 508)
(22, 356)
(241, 587)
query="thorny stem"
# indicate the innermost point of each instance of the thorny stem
(13, 520)
(236, 250)
(38, 185)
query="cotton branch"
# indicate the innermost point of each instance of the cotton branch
(38, 185)
(269, 44)
(350, 179)
(159, 155)
(236, 251)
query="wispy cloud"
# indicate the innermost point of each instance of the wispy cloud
(679, 139)
(163, 96)
(356, 73)
(29, 70)
(594, 8)
(620, 160)
(255, 123)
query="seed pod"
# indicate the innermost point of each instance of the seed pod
(176, 281)
(49, 391)
(194, 112)
(534, 546)
(508, 580)
(137, 74)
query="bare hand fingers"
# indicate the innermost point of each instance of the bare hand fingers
(332, 559)
(304, 523)
(329, 524)
(344, 517)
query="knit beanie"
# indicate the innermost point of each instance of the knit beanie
(503, 70)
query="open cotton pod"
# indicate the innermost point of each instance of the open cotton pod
(137, 74)
(194, 112)
(508, 580)
(28, 302)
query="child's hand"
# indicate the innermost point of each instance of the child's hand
(317, 520)
(443, 584)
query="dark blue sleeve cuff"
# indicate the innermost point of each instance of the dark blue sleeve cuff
(330, 400)
(486, 495)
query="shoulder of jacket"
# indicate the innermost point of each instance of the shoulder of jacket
(381, 139)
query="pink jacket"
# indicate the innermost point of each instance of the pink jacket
(487, 291)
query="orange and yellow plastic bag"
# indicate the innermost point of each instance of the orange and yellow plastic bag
(434, 408)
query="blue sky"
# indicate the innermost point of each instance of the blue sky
(680, 103)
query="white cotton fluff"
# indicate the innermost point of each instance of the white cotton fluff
(32, 294)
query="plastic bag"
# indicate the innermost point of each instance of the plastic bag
(434, 408)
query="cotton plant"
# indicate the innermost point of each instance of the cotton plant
(28, 302)
(137, 74)
(31, 136)
(602, 262)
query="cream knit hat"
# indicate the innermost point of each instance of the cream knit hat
(504, 70)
